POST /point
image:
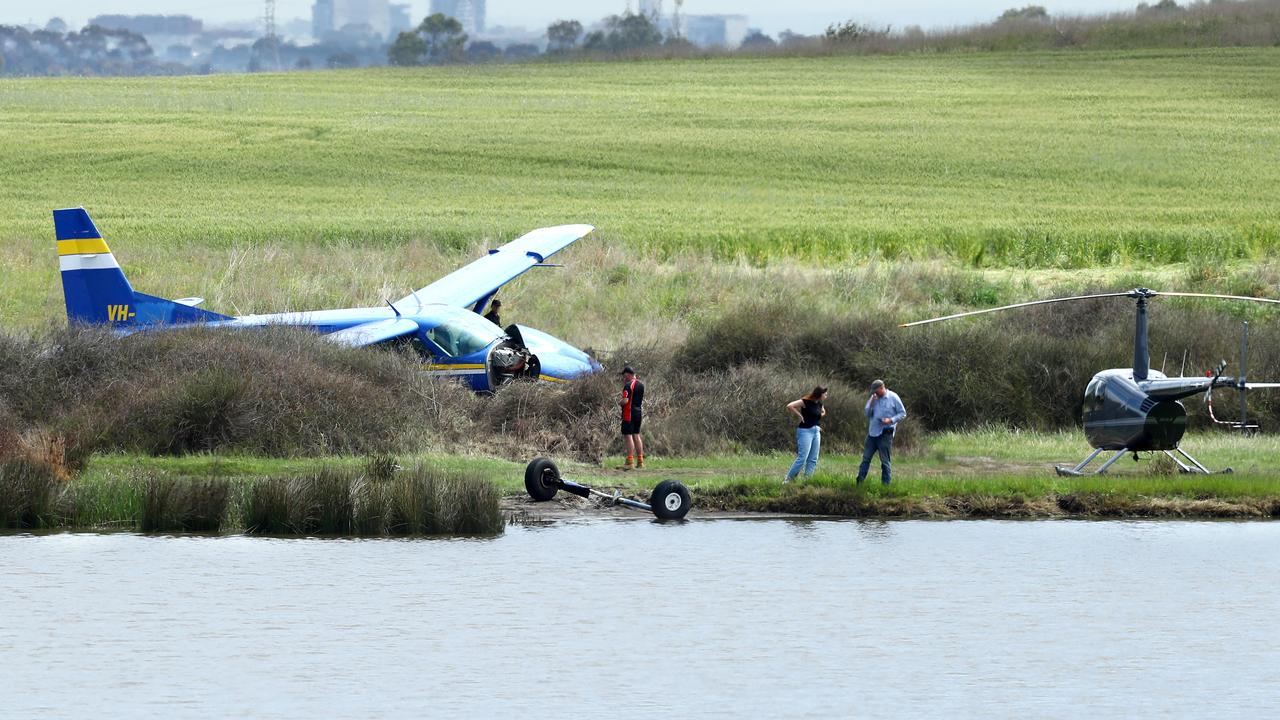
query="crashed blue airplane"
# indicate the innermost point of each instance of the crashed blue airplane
(440, 322)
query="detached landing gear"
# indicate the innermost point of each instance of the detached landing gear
(1191, 465)
(669, 501)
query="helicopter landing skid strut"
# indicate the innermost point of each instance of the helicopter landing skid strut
(1079, 469)
(1191, 466)
(1194, 467)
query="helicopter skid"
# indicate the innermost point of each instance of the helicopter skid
(1191, 466)
(1078, 470)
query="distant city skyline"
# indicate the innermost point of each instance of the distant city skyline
(803, 16)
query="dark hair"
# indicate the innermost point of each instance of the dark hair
(816, 395)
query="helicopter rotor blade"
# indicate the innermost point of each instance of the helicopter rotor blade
(1220, 297)
(1014, 306)
(1260, 386)
(1129, 293)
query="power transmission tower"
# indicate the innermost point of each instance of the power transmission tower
(675, 19)
(651, 9)
(269, 28)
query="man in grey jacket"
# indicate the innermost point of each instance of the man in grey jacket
(884, 411)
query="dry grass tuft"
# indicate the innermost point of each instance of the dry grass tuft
(184, 505)
(29, 494)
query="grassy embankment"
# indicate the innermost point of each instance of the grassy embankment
(896, 184)
(992, 473)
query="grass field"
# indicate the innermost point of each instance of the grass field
(328, 187)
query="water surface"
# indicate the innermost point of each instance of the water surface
(633, 618)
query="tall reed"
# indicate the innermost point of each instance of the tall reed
(29, 494)
(417, 501)
(181, 504)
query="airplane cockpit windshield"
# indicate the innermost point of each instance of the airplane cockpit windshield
(463, 335)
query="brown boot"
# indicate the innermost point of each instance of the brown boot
(639, 462)
(628, 464)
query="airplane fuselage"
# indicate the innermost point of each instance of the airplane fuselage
(450, 341)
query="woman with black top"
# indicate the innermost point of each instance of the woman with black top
(809, 433)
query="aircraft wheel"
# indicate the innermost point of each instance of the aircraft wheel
(541, 479)
(670, 500)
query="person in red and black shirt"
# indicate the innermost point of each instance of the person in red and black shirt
(632, 405)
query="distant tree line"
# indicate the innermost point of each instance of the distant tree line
(92, 51)
(1164, 23)
(440, 39)
(113, 50)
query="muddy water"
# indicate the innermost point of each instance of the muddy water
(632, 618)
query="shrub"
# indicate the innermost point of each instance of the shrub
(275, 392)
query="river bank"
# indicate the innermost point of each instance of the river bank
(824, 502)
(987, 474)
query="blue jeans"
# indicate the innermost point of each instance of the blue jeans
(883, 444)
(808, 442)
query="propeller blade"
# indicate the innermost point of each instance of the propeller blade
(1260, 386)
(1011, 307)
(1220, 297)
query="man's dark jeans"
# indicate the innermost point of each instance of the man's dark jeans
(883, 444)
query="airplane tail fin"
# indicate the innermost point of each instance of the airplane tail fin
(95, 288)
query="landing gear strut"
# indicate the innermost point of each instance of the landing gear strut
(669, 501)
(1191, 466)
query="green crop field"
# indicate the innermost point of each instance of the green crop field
(303, 189)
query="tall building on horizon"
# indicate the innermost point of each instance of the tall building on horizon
(328, 16)
(468, 12)
(727, 31)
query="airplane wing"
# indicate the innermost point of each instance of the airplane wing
(468, 285)
(373, 332)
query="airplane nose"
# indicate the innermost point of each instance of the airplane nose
(568, 366)
(585, 366)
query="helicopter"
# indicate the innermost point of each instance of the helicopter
(1138, 409)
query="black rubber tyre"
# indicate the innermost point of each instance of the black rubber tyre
(537, 475)
(670, 500)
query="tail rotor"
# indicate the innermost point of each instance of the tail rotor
(1242, 384)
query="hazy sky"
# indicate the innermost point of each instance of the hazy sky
(808, 16)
